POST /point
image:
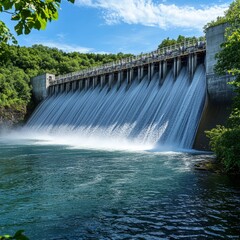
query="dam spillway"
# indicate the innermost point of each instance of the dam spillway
(149, 112)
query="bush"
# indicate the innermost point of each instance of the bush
(17, 236)
(225, 143)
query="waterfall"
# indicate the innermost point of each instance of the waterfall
(147, 113)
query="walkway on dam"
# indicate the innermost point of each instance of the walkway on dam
(173, 54)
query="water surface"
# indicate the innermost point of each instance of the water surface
(58, 192)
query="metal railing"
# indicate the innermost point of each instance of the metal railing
(159, 54)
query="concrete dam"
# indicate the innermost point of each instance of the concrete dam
(165, 99)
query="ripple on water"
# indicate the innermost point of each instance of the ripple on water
(60, 193)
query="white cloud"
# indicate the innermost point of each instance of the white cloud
(149, 13)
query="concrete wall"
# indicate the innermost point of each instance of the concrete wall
(219, 93)
(40, 86)
(218, 89)
(213, 114)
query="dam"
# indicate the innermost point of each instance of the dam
(166, 98)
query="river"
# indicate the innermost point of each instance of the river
(57, 191)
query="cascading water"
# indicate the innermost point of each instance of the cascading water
(144, 114)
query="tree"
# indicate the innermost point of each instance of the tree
(229, 56)
(29, 14)
(225, 141)
(167, 42)
(181, 39)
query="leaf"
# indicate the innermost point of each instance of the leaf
(55, 15)
(43, 23)
(7, 4)
(19, 235)
(27, 30)
(15, 17)
(7, 237)
(25, 13)
(19, 28)
(37, 24)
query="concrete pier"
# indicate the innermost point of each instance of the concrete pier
(219, 92)
(41, 86)
(218, 88)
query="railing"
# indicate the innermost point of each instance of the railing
(159, 54)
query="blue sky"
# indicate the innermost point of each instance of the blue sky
(129, 26)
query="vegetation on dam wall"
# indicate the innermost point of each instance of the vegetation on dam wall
(225, 140)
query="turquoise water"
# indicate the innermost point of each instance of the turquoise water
(58, 192)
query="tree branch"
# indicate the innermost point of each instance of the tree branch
(8, 12)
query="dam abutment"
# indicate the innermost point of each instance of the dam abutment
(219, 92)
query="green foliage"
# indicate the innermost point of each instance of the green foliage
(168, 42)
(28, 14)
(225, 142)
(5, 35)
(39, 59)
(218, 21)
(17, 236)
(14, 87)
(229, 57)
(231, 16)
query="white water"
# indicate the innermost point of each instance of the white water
(142, 116)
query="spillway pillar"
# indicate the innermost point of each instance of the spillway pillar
(120, 78)
(149, 71)
(139, 74)
(102, 80)
(67, 87)
(164, 70)
(130, 75)
(175, 68)
(127, 72)
(95, 82)
(190, 65)
(62, 88)
(56, 89)
(51, 90)
(189, 59)
(110, 80)
(86, 84)
(195, 61)
(179, 65)
(74, 86)
(152, 70)
(160, 70)
(80, 85)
